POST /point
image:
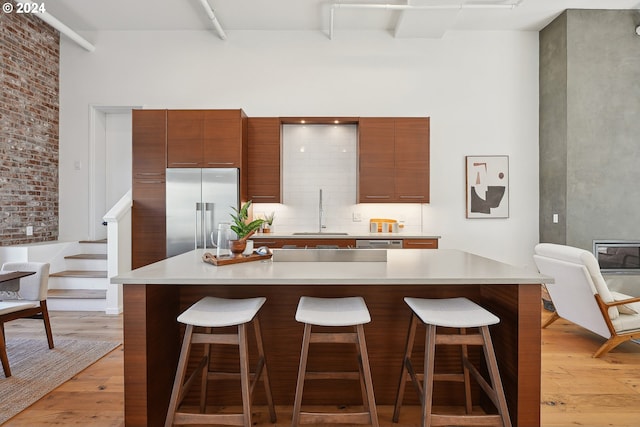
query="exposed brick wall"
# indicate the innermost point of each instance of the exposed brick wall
(29, 105)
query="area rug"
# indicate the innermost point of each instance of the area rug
(36, 370)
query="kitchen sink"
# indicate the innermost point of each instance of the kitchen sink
(319, 233)
(329, 255)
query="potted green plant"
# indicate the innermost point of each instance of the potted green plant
(243, 227)
(268, 222)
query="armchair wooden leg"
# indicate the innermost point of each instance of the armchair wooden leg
(551, 319)
(611, 343)
(47, 323)
(3, 353)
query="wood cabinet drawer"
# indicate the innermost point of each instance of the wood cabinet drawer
(420, 244)
(303, 243)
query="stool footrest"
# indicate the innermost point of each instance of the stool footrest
(332, 375)
(466, 420)
(184, 418)
(200, 338)
(337, 337)
(452, 339)
(335, 418)
(449, 377)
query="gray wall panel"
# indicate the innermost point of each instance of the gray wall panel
(601, 127)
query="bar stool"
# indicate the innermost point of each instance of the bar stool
(212, 312)
(349, 311)
(453, 313)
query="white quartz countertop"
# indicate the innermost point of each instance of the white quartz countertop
(403, 267)
(330, 235)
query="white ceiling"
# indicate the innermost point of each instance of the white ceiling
(314, 15)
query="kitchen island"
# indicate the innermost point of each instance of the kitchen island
(154, 296)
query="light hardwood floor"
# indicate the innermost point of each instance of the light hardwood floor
(577, 390)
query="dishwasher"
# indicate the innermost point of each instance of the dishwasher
(379, 244)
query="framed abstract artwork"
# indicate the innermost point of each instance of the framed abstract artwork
(487, 186)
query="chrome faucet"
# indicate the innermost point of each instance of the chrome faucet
(320, 214)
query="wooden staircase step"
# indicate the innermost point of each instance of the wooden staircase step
(87, 274)
(87, 256)
(77, 293)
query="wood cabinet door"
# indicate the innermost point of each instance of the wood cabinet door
(149, 140)
(148, 219)
(222, 146)
(412, 160)
(376, 164)
(185, 133)
(263, 153)
(149, 150)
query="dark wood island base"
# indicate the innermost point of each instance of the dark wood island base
(152, 339)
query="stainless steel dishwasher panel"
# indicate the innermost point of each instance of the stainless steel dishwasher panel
(379, 244)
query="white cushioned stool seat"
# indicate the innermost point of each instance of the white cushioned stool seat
(451, 312)
(216, 312)
(347, 311)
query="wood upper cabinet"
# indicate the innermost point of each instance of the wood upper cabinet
(263, 156)
(376, 167)
(205, 138)
(224, 138)
(149, 141)
(393, 160)
(412, 160)
(185, 138)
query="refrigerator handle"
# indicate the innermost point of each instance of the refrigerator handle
(198, 232)
(207, 223)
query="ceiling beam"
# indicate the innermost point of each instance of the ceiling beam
(405, 7)
(214, 20)
(55, 23)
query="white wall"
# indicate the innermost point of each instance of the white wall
(479, 88)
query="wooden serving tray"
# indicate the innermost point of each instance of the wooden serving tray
(212, 259)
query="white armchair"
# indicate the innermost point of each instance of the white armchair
(580, 295)
(32, 302)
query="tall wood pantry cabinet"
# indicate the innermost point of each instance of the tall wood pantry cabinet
(148, 215)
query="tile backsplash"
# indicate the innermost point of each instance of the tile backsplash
(324, 157)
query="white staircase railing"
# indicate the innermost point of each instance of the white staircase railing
(118, 221)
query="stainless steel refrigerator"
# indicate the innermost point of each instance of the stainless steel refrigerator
(197, 201)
